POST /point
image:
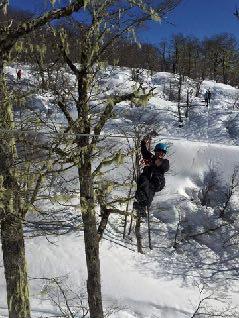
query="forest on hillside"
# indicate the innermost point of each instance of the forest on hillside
(215, 58)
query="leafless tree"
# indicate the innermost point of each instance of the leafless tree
(12, 210)
(103, 30)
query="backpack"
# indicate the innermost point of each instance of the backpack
(157, 181)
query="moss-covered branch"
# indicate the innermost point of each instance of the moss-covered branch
(68, 61)
(27, 27)
(9, 36)
(135, 96)
(105, 213)
(116, 158)
(66, 113)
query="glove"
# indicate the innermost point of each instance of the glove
(150, 135)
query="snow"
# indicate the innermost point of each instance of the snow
(163, 282)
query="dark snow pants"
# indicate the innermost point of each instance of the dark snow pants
(146, 188)
(145, 191)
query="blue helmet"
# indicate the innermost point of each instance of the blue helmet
(162, 147)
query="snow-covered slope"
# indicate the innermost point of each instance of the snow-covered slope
(167, 281)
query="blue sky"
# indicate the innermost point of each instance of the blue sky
(197, 17)
(192, 17)
(30, 5)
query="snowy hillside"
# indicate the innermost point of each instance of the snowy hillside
(194, 235)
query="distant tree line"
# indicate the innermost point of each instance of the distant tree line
(215, 57)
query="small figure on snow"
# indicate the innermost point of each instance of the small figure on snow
(152, 178)
(207, 97)
(19, 75)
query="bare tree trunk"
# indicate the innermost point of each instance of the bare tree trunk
(215, 64)
(130, 225)
(91, 239)
(137, 174)
(198, 87)
(105, 213)
(179, 101)
(203, 75)
(188, 104)
(175, 63)
(138, 235)
(127, 210)
(164, 57)
(91, 236)
(11, 223)
(189, 63)
(1, 66)
(224, 70)
(42, 74)
(15, 267)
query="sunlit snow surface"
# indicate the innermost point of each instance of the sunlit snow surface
(164, 282)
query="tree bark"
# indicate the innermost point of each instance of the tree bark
(138, 235)
(224, 70)
(179, 100)
(13, 249)
(10, 35)
(105, 213)
(1, 67)
(91, 239)
(13, 34)
(11, 221)
(91, 236)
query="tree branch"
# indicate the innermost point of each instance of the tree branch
(105, 213)
(68, 61)
(107, 162)
(3, 5)
(107, 113)
(27, 27)
(66, 114)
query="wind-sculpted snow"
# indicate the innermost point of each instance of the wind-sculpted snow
(194, 219)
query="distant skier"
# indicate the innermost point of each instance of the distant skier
(207, 97)
(19, 75)
(152, 178)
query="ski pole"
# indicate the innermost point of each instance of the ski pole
(149, 229)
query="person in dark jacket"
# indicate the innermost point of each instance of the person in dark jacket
(152, 178)
(19, 75)
(209, 94)
(207, 97)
